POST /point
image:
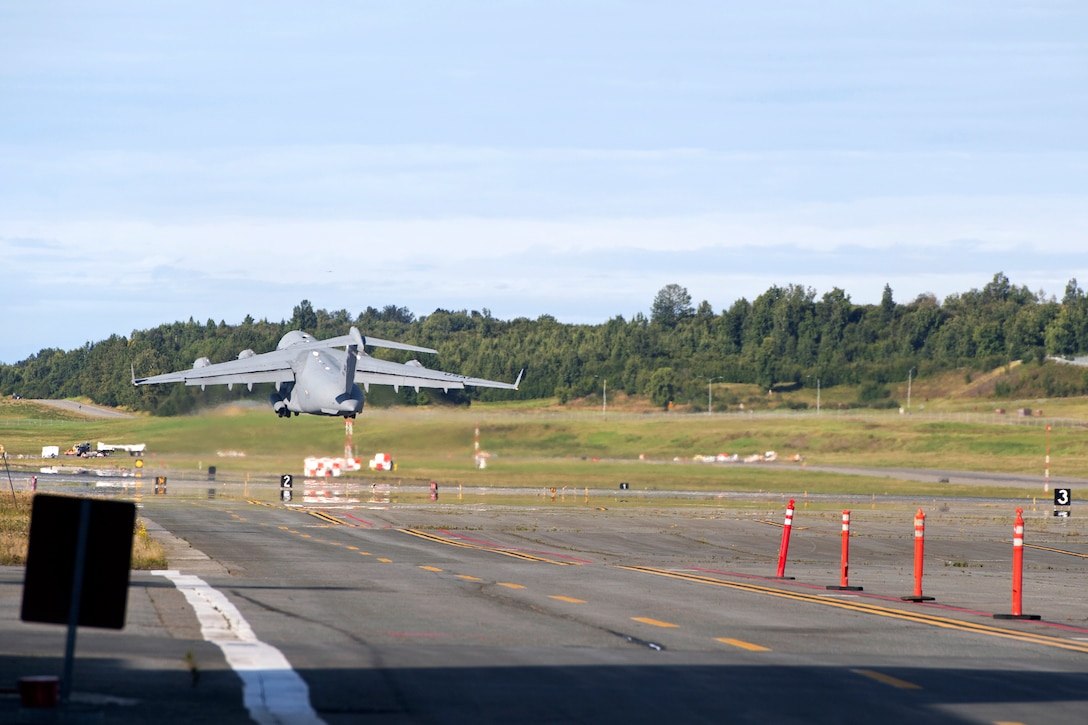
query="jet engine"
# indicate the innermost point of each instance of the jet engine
(279, 400)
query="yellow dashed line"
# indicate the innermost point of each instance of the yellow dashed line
(571, 600)
(430, 568)
(469, 578)
(888, 679)
(908, 615)
(353, 548)
(743, 645)
(382, 559)
(654, 622)
(508, 585)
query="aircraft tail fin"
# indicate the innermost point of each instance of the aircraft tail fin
(353, 359)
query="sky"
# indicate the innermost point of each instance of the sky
(161, 161)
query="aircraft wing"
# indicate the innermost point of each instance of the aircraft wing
(269, 367)
(371, 371)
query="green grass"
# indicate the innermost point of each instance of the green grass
(15, 510)
(541, 448)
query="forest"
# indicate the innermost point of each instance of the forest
(784, 338)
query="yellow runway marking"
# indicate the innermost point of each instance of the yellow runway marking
(467, 545)
(325, 517)
(353, 548)
(654, 622)
(508, 585)
(858, 605)
(430, 568)
(469, 578)
(383, 559)
(1056, 551)
(888, 679)
(743, 645)
(571, 600)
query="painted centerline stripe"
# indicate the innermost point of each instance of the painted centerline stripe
(430, 568)
(271, 690)
(915, 616)
(888, 679)
(508, 585)
(654, 622)
(743, 645)
(1056, 551)
(571, 600)
(467, 545)
(469, 578)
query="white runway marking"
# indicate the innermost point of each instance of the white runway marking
(272, 691)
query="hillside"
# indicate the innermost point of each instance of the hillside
(765, 352)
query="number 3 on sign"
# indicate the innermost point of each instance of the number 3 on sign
(1062, 497)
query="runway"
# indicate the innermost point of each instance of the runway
(450, 612)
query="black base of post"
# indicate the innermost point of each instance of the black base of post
(917, 599)
(1029, 617)
(838, 588)
(784, 578)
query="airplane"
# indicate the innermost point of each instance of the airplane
(316, 377)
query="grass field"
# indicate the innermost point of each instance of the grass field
(571, 448)
(15, 534)
(532, 447)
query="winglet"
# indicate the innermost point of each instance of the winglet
(133, 367)
(518, 381)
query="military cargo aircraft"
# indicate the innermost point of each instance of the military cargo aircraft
(317, 377)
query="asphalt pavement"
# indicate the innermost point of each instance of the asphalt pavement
(359, 607)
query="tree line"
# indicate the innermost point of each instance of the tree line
(785, 337)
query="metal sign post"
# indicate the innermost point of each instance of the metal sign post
(77, 567)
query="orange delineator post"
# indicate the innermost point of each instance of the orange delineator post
(785, 546)
(1017, 572)
(919, 557)
(844, 583)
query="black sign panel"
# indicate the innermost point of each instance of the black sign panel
(51, 560)
(1063, 496)
(287, 480)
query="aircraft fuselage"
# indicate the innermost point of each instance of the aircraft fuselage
(319, 387)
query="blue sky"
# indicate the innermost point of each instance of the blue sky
(169, 160)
